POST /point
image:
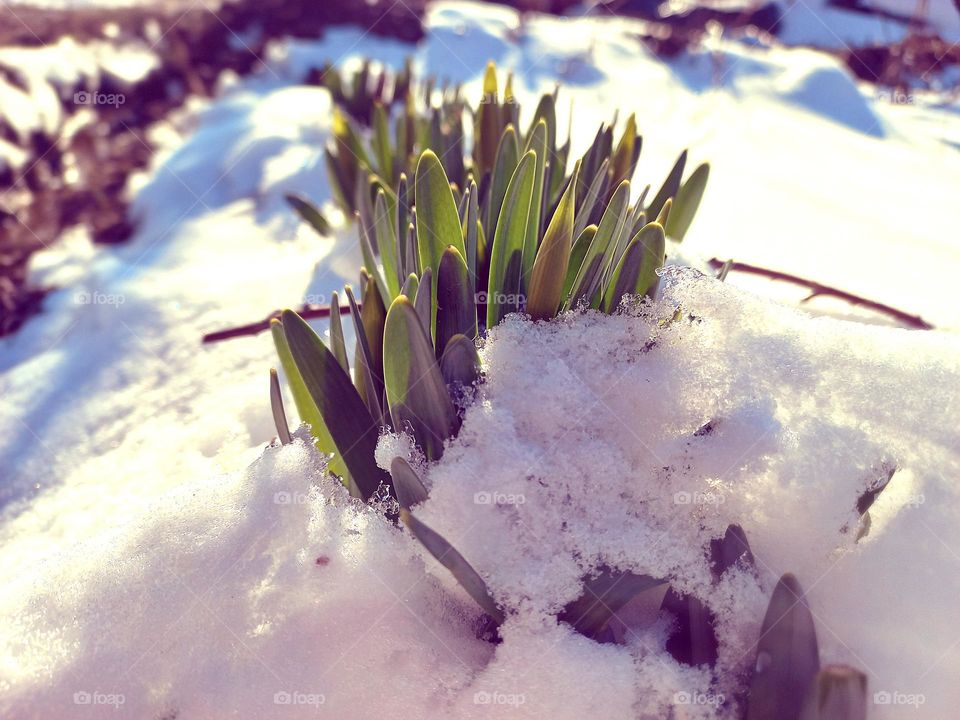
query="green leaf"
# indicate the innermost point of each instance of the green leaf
(606, 595)
(448, 556)
(460, 362)
(839, 693)
(306, 408)
(546, 111)
(345, 416)
(670, 186)
(368, 360)
(416, 393)
(506, 256)
(410, 286)
(636, 274)
(687, 202)
(508, 157)
(664, 212)
(366, 233)
(471, 232)
(600, 252)
(423, 302)
(384, 219)
(538, 144)
(340, 184)
(276, 404)
(577, 256)
(550, 268)
(381, 142)
(788, 658)
(438, 223)
(585, 206)
(308, 212)
(623, 162)
(727, 551)
(487, 127)
(456, 302)
(337, 344)
(406, 482)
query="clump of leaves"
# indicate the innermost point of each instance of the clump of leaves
(452, 242)
(452, 248)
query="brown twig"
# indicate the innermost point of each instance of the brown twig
(816, 289)
(307, 312)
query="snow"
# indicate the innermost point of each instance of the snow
(147, 545)
(250, 585)
(64, 72)
(820, 24)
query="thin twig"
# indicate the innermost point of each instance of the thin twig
(307, 312)
(816, 289)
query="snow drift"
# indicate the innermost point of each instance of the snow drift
(594, 441)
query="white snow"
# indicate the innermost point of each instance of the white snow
(141, 559)
(65, 72)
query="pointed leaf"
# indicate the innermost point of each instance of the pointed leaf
(456, 301)
(448, 556)
(384, 220)
(337, 344)
(590, 275)
(381, 142)
(410, 490)
(345, 415)
(839, 693)
(508, 157)
(416, 393)
(438, 223)
(577, 257)
(308, 212)
(423, 302)
(306, 408)
(687, 202)
(410, 286)
(276, 404)
(622, 164)
(550, 269)
(460, 363)
(531, 238)
(487, 128)
(368, 326)
(637, 272)
(505, 259)
(787, 656)
(670, 186)
(603, 596)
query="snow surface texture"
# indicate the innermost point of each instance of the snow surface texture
(123, 442)
(237, 594)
